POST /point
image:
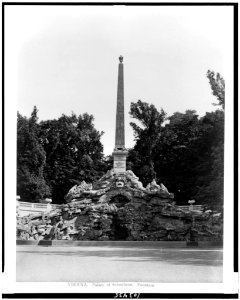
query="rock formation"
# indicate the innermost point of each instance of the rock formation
(118, 207)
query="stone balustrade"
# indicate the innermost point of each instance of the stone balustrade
(26, 208)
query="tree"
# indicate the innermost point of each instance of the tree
(217, 84)
(211, 163)
(185, 153)
(176, 156)
(31, 160)
(74, 152)
(141, 158)
(210, 185)
(54, 155)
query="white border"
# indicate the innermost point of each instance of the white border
(9, 284)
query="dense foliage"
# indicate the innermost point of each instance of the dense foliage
(62, 152)
(185, 152)
(31, 160)
(142, 156)
(217, 84)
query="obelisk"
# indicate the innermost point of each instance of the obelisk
(120, 152)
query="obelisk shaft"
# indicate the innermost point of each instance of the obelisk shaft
(120, 153)
(119, 137)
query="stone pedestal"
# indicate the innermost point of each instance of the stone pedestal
(119, 160)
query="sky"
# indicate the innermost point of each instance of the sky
(64, 59)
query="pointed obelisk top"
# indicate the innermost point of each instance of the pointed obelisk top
(121, 58)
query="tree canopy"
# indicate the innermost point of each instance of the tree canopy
(141, 157)
(217, 84)
(184, 152)
(31, 160)
(63, 152)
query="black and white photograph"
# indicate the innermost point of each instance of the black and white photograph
(119, 148)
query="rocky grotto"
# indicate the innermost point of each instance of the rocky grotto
(118, 207)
